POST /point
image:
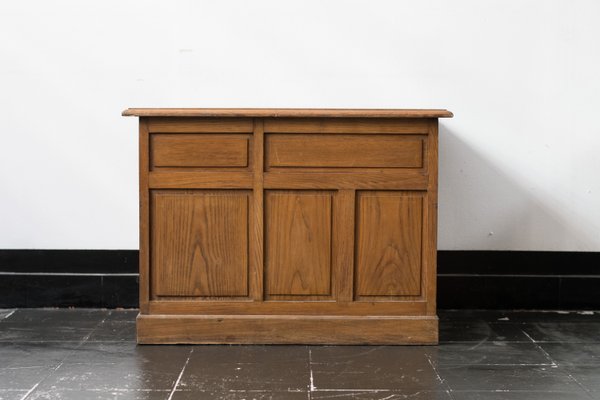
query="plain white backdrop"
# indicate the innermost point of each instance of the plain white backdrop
(519, 163)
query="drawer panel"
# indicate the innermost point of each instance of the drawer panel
(199, 150)
(343, 151)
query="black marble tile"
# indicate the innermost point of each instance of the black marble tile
(380, 395)
(567, 332)
(5, 312)
(518, 317)
(123, 315)
(488, 353)
(39, 354)
(99, 395)
(587, 375)
(273, 368)
(118, 366)
(404, 368)
(58, 317)
(28, 332)
(114, 331)
(478, 331)
(239, 395)
(574, 353)
(12, 394)
(507, 378)
(22, 378)
(520, 395)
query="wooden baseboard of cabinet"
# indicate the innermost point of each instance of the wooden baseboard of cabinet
(285, 329)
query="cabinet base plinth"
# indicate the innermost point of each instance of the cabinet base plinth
(283, 329)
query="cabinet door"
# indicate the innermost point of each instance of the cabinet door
(199, 243)
(298, 242)
(388, 243)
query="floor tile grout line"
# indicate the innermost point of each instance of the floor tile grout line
(32, 389)
(585, 389)
(546, 354)
(61, 363)
(439, 377)
(180, 374)
(555, 364)
(8, 315)
(312, 386)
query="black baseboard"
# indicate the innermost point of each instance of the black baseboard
(466, 279)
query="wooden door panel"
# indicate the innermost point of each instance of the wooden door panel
(298, 242)
(200, 243)
(388, 243)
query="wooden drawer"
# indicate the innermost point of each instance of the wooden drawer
(198, 150)
(343, 151)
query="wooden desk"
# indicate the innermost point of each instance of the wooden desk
(288, 226)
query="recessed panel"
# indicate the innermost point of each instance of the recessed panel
(198, 150)
(199, 243)
(343, 151)
(388, 244)
(298, 242)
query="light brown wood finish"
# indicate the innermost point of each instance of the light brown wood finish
(200, 243)
(288, 226)
(144, 193)
(282, 329)
(257, 222)
(298, 242)
(192, 150)
(388, 248)
(287, 113)
(349, 151)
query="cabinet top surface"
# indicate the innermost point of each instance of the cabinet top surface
(288, 112)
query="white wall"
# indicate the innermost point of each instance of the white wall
(519, 162)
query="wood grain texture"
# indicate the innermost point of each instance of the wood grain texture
(288, 226)
(287, 112)
(282, 329)
(384, 180)
(430, 221)
(144, 218)
(298, 242)
(388, 244)
(364, 126)
(200, 180)
(243, 306)
(257, 221)
(200, 243)
(343, 250)
(200, 125)
(192, 150)
(339, 151)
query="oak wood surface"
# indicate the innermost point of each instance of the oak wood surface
(144, 196)
(200, 243)
(298, 242)
(388, 244)
(338, 151)
(287, 112)
(193, 150)
(288, 226)
(283, 329)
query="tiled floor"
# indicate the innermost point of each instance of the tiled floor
(91, 354)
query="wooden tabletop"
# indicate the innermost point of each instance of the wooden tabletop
(287, 112)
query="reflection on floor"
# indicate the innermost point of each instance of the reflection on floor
(91, 354)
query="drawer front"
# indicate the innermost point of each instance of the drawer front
(343, 151)
(199, 150)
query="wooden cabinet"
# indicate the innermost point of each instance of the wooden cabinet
(288, 226)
